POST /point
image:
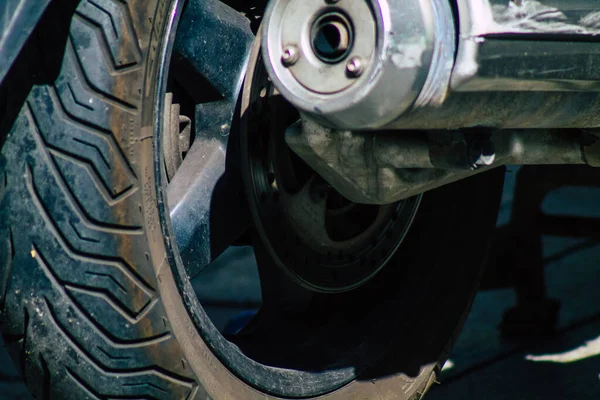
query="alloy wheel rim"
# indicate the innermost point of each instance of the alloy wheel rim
(271, 376)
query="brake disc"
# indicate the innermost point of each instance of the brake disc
(324, 241)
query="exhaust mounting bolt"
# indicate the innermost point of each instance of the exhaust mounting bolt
(355, 67)
(290, 55)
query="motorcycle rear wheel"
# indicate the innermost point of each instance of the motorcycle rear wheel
(96, 301)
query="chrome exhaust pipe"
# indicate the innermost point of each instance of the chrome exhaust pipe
(408, 64)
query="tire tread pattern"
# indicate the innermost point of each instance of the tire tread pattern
(81, 313)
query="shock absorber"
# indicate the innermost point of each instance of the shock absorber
(432, 64)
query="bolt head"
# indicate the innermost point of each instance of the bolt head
(355, 67)
(290, 55)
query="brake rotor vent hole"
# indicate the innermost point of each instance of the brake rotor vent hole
(332, 37)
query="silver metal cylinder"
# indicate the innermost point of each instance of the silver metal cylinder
(359, 64)
(519, 64)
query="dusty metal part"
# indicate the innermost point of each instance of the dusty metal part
(540, 34)
(519, 64)
(211, 53)
(486, 17)
(406, 51)
(381, 168)
(506, 110)
(176, 142)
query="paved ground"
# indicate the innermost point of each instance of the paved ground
(482, 366)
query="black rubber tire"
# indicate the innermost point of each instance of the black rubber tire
(91, 307)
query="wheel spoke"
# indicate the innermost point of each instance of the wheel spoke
(212, 45)
(189, 195)
(209, 62)
(207, 209)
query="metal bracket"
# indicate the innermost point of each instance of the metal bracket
(382, 168)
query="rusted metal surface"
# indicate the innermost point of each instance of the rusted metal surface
(527, 67)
